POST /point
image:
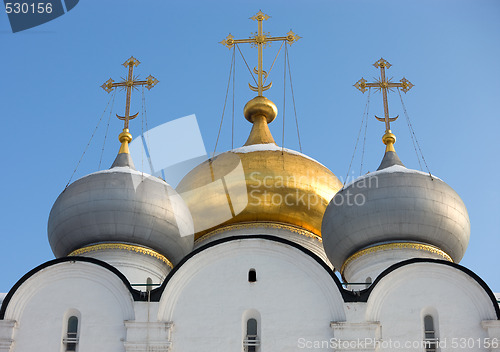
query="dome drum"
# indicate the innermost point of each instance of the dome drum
(292, 233)
(139, 264)
(371, 261)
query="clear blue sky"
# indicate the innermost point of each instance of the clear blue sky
(51, 97)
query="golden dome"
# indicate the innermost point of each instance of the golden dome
(259, 182)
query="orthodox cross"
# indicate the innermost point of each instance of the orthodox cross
(384, 84)
(130, 82)
(260, 40)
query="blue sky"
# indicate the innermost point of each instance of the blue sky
(52, 100)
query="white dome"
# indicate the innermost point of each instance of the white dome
(121, 205)
(395, 204)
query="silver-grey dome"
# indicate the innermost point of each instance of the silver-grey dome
(395, 204)
(121, 205)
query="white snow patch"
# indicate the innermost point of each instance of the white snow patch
(126, 170)
(270, 147)
(390, 170)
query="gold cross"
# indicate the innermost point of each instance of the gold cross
(260, 40)
(384, 84)
(129, 83)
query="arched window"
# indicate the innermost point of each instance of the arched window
(149, 284)
(252, 275)
(251, 341)
(430, 338)
(71, 339)
(368, 281)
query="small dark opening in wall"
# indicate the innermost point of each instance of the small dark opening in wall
(252, 275)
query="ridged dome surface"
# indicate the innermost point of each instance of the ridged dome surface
(121, 205)
(395, 204)
(258, 183)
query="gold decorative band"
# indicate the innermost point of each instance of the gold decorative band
(253, 225)
(122, 246)
(399, 245)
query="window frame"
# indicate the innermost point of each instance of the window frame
(252, 275)
(431, 341)
(251, 343)
(70, 338)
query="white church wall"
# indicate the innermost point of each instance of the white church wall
(456, 301)
(6, 334)
(148, 336)
(209, 298)
(492, 327)
(145, 333)
(43, 303)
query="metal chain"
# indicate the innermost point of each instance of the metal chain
(269, 72)
(142, 133)
(284, 101)
(232, 115)
(413, 135)
(225, 102)
(366, 127)
(365, 115)
(88, 144)
(107, 128)
(146, 139)
(249, 70)
(293, 100)
(145, 114)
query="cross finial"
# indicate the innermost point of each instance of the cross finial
(130, 82)
(260, 40)
(384, 85)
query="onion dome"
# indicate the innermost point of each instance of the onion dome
(259, 183)
(398, 208)
(121, 206)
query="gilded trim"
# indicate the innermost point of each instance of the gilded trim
(122, 246)
(399, 245)
(253, 225)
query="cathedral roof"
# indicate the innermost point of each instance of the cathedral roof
(120, 205)
(394, 205)
(259, 182)
(122, 208)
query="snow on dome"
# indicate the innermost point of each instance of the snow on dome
(390, 169)
(270, 147)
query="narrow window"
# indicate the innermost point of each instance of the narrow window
(251, 341)
(430, 339)
(71, 339)
(252, 275)
(149, 284)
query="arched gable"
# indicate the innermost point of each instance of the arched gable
(208, 296)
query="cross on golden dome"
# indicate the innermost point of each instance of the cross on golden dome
(260, 40)
(384, 85)
(130, 82)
